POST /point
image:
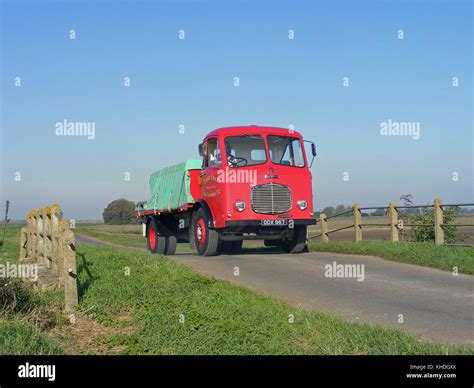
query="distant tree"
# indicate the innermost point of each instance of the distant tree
(340, 209)
(119, 212)
(329, 211)
(379, 212)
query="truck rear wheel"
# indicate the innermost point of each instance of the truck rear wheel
(205, 238)
(171, 241)
(155, 243)
(297, 241)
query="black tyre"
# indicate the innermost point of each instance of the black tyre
(205, 239)
(154, 242)
(171, 245)
(297, 241)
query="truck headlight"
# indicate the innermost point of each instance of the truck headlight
(240, 206)
(302, 204)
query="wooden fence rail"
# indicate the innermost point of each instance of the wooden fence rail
(48, 242)
(395, 222)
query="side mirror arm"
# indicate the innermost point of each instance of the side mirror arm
(313, 151)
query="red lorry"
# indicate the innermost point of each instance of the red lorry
(253, 182)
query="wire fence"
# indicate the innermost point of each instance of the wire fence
(396, 221)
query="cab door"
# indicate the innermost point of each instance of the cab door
(212, 182)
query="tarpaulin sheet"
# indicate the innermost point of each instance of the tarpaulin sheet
(170, 187)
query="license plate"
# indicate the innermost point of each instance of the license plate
(274, 222)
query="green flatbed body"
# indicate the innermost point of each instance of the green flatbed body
(170, 187)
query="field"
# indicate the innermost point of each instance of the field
(135, 303)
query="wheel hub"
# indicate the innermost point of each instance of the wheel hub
(201, 232)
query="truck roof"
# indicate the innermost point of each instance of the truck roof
(251, 129)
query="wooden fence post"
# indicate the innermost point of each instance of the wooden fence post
(31, 244)
(357, 223)
(67, 266)
(55, 212)
(324, 227)
(393, 217)
(39, 238)
(48, 242)
(438, 222)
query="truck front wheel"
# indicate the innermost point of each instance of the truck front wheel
(296, 243)
(205, 238)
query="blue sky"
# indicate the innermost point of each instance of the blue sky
(190, 82)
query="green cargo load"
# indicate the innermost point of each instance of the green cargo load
(170, 187)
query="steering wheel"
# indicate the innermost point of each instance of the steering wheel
(237, 161)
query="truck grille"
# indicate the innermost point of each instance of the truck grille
(271, 198)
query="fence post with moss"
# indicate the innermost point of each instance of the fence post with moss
(48, 242)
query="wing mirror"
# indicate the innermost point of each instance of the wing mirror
(202, 149)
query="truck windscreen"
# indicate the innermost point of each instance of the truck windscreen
(246, 150)
(285, 150)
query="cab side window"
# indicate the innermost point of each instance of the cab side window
(213, 157)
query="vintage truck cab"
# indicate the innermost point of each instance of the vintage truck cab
(254, 182)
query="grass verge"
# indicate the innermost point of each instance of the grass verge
(137, 303)
(173, 310)
(26, 318)
(425, 254)
(21, 338)
(116, 237)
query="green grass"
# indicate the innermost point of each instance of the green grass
(425, 254)
(20, 338)
(153, 293)
(22, 330)
(219, 318)
(126, 238)
(10, 251)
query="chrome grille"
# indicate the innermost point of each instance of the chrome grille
(271, 198)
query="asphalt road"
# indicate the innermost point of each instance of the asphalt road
(434, 305)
